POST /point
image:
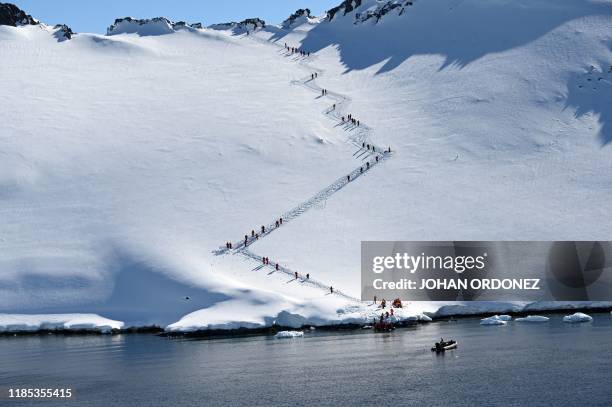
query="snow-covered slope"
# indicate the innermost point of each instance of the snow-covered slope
(127, 160)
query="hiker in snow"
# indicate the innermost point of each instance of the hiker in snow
(373, 148)
(281, 221)
(307, 276)
(389, 149)
(252, 232)
(263, 260)
(331, 290)
(391, 311)
(376, 158)
(383, 303)
(257, 236)
(263, 229)
(357, 123)
(348, 178)
(245, 241)
(368, 146)
(374, 299)
(361, 170)
(276, 223)
(363, 144)
(334, 107)
(368, 166)
(308, 53)
(342, 119)
(276, 267)
(296, 275)
(386, 314)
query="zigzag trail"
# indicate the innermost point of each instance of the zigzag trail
(358, 135)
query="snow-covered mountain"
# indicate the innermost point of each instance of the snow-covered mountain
(127, 160)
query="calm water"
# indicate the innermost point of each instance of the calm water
(529, 364)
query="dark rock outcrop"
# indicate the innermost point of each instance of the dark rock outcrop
(12, 15)
(249, 24)
(376, 13)
(162, 25)
(303, 12)
(386, 8)
(63, 32)
(345, 7)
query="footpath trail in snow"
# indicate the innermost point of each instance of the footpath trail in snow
(367, 153)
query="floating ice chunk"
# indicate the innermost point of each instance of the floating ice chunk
(577, 317)
(424, 318)
(289, 334)
(533, 318)
(494, 320)
(505, 318)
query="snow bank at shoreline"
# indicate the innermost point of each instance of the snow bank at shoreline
(224, 317)
(215, 318)
(60, 322)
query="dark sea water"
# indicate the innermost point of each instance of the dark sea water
(537, 364)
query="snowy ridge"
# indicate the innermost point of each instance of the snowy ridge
(249, 24)
(152, 26)
(301, 16)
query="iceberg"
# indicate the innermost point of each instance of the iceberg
(289, 334)
(577, 317)
(494, 320)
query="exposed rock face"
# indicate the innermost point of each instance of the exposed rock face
(248, 24)
(384, 9)
(375, 12)
(301, 14)
(345, 7)
(148, 26)
(12, 15)
(63, 32)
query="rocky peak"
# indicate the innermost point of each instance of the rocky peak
(369, 10)
(249, 24)
(12, 15)
(299, 15)
(148, 26)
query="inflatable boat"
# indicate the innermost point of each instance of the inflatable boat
(443, 346)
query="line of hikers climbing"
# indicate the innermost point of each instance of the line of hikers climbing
(367, 166)
(350, 119)
(266, 262)
(296, 50)
(255, 236)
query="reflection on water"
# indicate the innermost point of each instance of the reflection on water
(518, 364)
